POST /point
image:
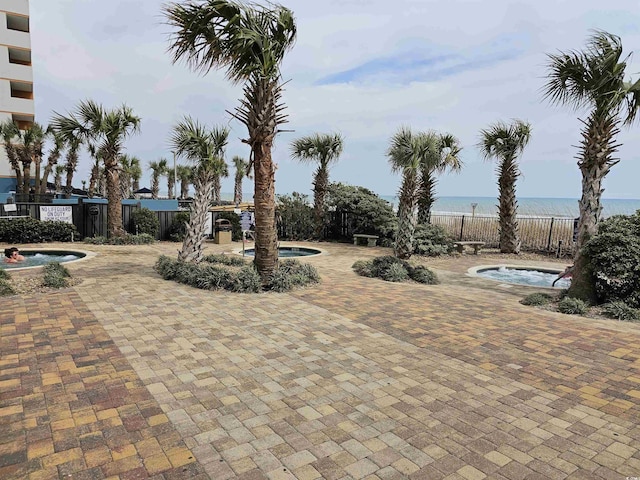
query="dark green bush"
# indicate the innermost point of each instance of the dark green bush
(379, 265)
(291, 273)
(4, 275)
(363, 268)
(572, 306)
(432, 240)
(236, 228)
(621, 311)
(144, 221)
(32, 230)
(537, 299)
(364, 211)
(55, 276)
(231, 260)
(614, 257)
(247, 280)
(127, 239)
(394, 273)
(178, 228)
(295, 217)
(422, 274)
(6, 288)
(211, 277)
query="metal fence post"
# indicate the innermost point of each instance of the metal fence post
(550, 232)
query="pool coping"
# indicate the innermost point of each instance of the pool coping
(87, 255)
(473, 272)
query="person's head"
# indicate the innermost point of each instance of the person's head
(11, 252)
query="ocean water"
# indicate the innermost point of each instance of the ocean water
(547, 207)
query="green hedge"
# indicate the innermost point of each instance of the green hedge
(32, 230)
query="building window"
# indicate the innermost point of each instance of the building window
(19, 56)
(17, 22)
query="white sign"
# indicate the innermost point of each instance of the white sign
(10, 207)
(58, 213)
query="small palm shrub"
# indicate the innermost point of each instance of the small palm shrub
(127, 239)
(572, 306)
(178, 228)
(210, 277)
(145, 221)
(432, 240)
(55, 276)
(247, 280)
(394, 272)
(537, 299)
(422, 274)
(621, 311)
(291, 273)
(231, 260)
(363, 268)
(6, 288)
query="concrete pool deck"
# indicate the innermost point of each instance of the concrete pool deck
(128, 376)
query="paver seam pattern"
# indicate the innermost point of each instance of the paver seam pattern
(268, 385)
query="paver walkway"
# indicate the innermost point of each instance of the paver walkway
(355, 378)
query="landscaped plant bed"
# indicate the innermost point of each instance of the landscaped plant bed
(392, 269)
(27, 283)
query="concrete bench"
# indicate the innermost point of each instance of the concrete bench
(371, 239)
(477, 246)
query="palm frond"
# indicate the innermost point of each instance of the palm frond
(322, 148)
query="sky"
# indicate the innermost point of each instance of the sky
(361, 68)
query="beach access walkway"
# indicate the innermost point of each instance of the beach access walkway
(128, 376)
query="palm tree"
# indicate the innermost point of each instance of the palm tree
(52, 160)
(34, 138)
(158, 168)
(57, 179)
(249, 42)
(9, 131)
(221, 170)
(406, 153)
(205, 148)
(96, 180)
(106, 130)
(593, 79)
(445, 155)
(185, 174)
(73, 144)
(171, 181)
(505, 143)
(241, 171)
(135, 171)
(126, 169)
(323, 149)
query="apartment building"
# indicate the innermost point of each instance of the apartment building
(16, 75)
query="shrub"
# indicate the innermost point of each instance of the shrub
(4, 275)
(364, 268)
(422, 274)
(32, 230)
(295, 217)
(572, 306)
(236, 228)
(395, 272)
(432, 240)
(6, 288)
(621, 311)
(291, 273)
(381, 264)
(144, 221)
(614, 257)
(210, 277)
(280, 281)
(536, 299)
(231, 260)
(127, 239)
(247, 280)
(178, 228)
(55, 276)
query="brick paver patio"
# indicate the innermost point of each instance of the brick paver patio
(129, 376)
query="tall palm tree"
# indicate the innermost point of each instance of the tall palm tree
(204, 148)
(185, 175)
(444, 156)
(406, 152)
(171, 181)
(593, 79)
(249, 41)
(241, 171)
(221, 171)
(52, 160)
(323, 149)
(9, 131)
(96, 180)
(157, 170)
(107, 131)
(135, 171)
(126, 169)
(57, 179)
(73, 147)
(506, 143)
(34, 138)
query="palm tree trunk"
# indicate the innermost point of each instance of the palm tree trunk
(321, 184)
(427, 196)
(217, 187)
(403, 247)
(93, 180)
(114, 207)
(12, 155)
(69, 188)
(38, 161)
(26, 176)
(184, 189)
(237, 190)
(596, 160)
(155, 186)
(51, 161)
(508, 207)
(266, 244)
(192, 244)
(170, 189)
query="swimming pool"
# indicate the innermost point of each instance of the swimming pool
(288, 252)
(37, 258)
(522, 275)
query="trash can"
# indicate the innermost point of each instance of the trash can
(222, 231)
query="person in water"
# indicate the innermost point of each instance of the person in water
(12, 255)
